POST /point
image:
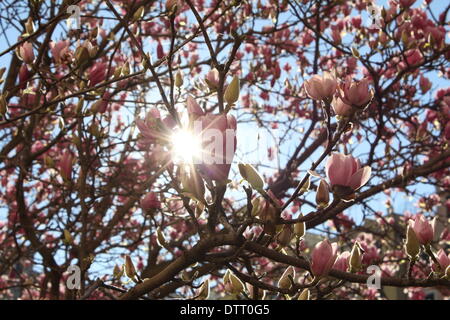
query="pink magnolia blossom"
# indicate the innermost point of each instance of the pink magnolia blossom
(344, 170)
(193, 107)
(423, 229)
(26, 52)
(407, 3)
(149, 128)
(103, 105)
(342, 262)
(321, 87)
(59, 50)
(219, 133)
(443, 260)
(340, 108)
(355, 93)
(150, 201)
(413, 57)
(323, 257)
(65, 165)
(212, 78)
(24, 75)
(425, 84)
(97, 73)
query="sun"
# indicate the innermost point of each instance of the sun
(186, 147)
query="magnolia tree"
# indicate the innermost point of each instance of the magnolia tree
(236, 149)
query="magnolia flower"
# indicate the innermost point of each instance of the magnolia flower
(193, 108)
(321, 87)
(150, 201)
(218, 140)
(59, 50)
(323, 257)
(423, 229)
(26, 52)
(24, 76)
(65, 165)
(355, 93)
(342, 262)
(443, 260)
(413, 57)
(284, 282)
(97, 73)
(149, 128)
(425, 84)
(344, 170)
(212, 79)
(340, 108)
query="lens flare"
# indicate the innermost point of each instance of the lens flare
(185, 146)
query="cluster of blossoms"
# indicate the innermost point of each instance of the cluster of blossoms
(344, 96)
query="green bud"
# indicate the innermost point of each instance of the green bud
(285, 282)
(67, 237)
(356, 257)
(130, 270)
(249, 173)
(299, 229)
(178, 79)
(232, 91)
(117, 272)
(305, 295)
(203, 292)
(138, 14)
(412, 245)
(322, 194)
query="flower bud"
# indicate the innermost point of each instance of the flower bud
(412, 245)
(249, 173)
(423, 229)
(232, 283)
(306, 185)
(81, 55)
(65, 166)
(212, 79)
(130, 270)
(285, 282)
(29, 26)
(323, 257)
(322, 194)
(285, 235)
(203, 291)
(299, 229)
(231, 94)
(356, 258)
(269, 215)
(178, 79)
(305, 295)
(160, 238)
(117, 272)
(67, 237)
(138, 14)
(25, 52)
